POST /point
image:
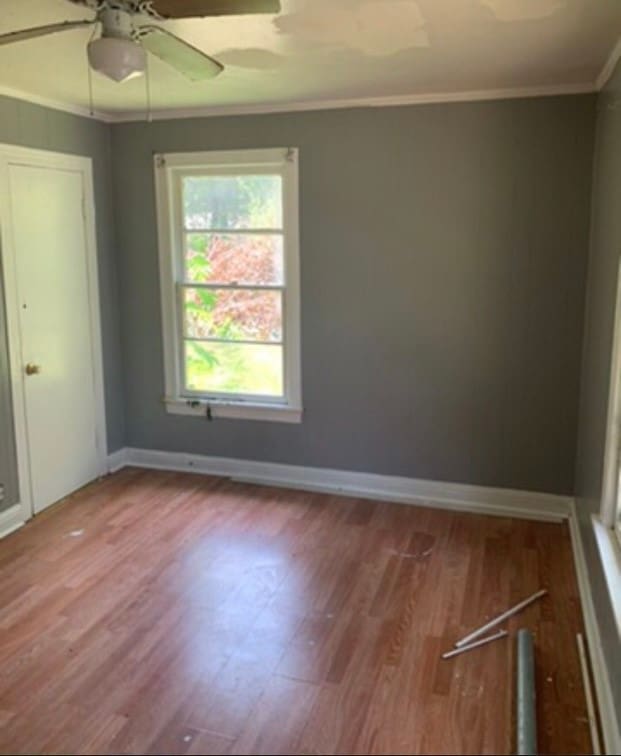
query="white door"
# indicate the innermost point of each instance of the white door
(49, 252)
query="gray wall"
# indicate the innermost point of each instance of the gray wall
(444, 251)
(598, 336)
(34, 126)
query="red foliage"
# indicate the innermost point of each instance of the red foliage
(251, 260)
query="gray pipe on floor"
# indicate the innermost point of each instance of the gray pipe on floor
(526, 711)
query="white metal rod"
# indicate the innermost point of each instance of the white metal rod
(588, 691)
(501, 618)
(476, 644)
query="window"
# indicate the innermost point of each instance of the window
(228, 234)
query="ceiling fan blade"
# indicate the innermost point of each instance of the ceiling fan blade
(202, 8)
(185, 58)
(42, 31)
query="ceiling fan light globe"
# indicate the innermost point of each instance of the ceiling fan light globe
(118, 59)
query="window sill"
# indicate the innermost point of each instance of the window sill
(235, 410)
(610, 555)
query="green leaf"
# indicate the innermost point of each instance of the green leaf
(204, 354)
(199, 242)
(196, 309)
(208, 299)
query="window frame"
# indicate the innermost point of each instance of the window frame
(170, 169)
(607, 524)
(611, 483)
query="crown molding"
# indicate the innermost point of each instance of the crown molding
(430, 98)
(360, 102)
(48, 102)
(609, 66)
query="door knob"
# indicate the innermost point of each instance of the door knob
(33, 369)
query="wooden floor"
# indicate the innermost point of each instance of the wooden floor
(170, 613)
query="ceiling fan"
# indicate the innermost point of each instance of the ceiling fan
(120, 52)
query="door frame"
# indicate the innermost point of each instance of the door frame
(25, 156)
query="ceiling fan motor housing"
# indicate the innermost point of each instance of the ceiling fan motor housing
(117, 54)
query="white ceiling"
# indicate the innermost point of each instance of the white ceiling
(325, 50)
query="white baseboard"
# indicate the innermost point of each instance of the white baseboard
(118, 459)
(11, 519)
(607, 712)
(457, 496)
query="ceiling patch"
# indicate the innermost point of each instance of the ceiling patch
(524, 10)
(371, 28)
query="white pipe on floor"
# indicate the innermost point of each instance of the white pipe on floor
(476, 644)
(588, 692)
(501, 618)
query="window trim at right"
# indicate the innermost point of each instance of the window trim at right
(610, 513)
(607, 526)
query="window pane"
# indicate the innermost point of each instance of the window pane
(236, 202)
(234, 368)
(234, 314)
(237, 259)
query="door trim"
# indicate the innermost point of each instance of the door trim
(12, 155)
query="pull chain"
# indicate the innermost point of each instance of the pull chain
(90, 91)
(91, 105)
(148, 90)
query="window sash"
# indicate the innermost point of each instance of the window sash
(251, 231)
(232, 171)
(183, 286)
(268, 399)
(247, 342)
(232, 287)
(185, 391)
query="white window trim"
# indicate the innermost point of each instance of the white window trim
(606, 528)
(612, 452)
(610, 555)
(168, 167)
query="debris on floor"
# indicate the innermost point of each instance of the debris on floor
(501, 618)
(476, 644)
(408, 555)
(589, 694)
(466, 643)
